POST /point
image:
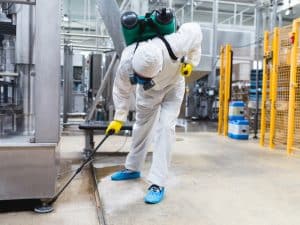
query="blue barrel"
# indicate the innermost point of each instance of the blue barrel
(236, 110)
(238, 129)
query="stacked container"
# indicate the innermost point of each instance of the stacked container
(238, 126)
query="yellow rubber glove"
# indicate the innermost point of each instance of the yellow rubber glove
(115, 126)
(186, 69)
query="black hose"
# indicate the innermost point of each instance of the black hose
(51, 201)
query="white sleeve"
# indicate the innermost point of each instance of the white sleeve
(187, 42)
(122, 88)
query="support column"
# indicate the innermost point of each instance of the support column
(212, 75)
(68, 82)
(274, 14)
(47, 85)
(258, 31)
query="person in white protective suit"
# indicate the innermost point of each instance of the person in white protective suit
(157, 107)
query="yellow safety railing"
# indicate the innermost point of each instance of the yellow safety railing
(266, 91)
(224, 88)
(273, 83)
(282, 88)
(293, 140)
(221, 91)
(280, 115)
(265, 88)
(227, 86)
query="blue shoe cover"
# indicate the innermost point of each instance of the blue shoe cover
(125, 175)
(155, 194)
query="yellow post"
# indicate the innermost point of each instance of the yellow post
(227, 86)
(293, 85)
(274, 78)
(264, 91)
(221, 93)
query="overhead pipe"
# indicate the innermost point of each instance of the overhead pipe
(88, 46)
(94, 50)
(85, 35)
(25, 2)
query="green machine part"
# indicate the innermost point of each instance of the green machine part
(138, 34)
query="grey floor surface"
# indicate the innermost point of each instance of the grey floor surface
(213, 181)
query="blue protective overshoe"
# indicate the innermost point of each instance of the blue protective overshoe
(125, 175)
(155, 194)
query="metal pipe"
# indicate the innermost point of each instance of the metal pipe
(85, 35)
(25, 2)
(240, 3)
(212, 76)
(74, 114)
(257, 13)
(28, 96)
(84, 14)
(280, 20)
(234, 14)
(97, 27)
(85, 46)
(68, 81)
(89, 15)
(111, 21)
(92, 50)
(192, 10)
(71, 124)
(274, 14)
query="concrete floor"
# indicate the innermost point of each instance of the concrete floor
(213, 181)
(76, 206)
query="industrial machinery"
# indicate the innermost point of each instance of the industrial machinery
(29, 74)
(10, 105)
(202, 101)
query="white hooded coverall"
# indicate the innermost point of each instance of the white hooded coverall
(157, 109)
